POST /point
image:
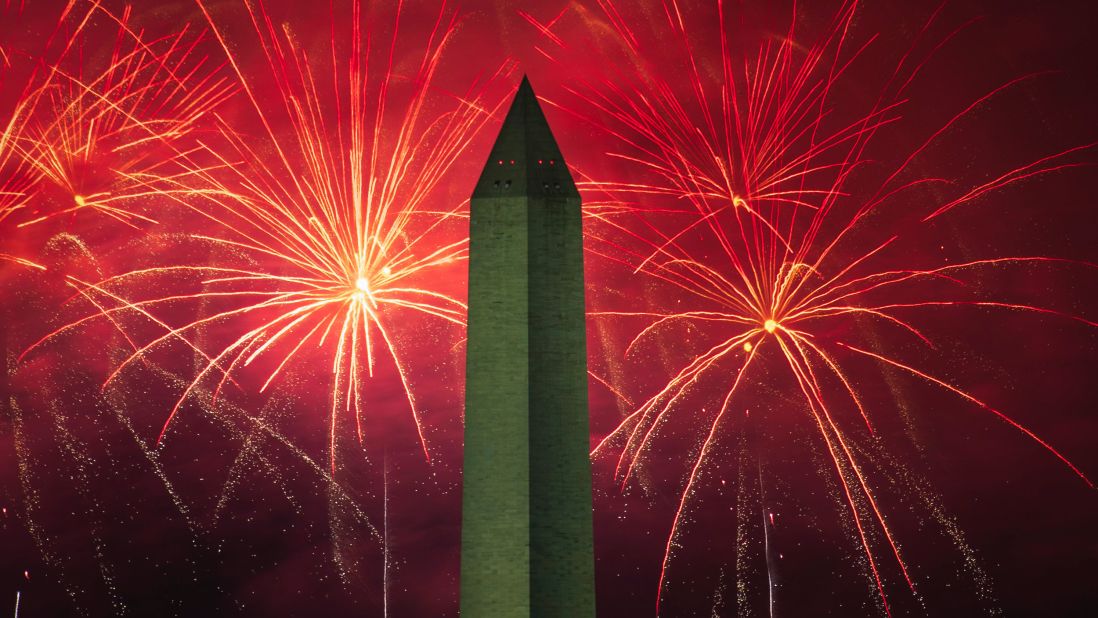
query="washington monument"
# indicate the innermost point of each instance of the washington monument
(527, 548)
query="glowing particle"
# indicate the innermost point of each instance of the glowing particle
(747, 347)
(79, 199)
(770, 326)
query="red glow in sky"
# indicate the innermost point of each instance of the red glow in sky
(238, 240)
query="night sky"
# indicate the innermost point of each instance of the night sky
(237, 511)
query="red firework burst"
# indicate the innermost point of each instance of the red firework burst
(768, 234)
(106, 132)
(323, 226)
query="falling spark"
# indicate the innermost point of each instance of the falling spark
(385, 542)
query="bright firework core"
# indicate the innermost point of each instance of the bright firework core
(770, 326)
(79, 199)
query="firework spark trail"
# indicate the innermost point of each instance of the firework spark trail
(709, 440)
(109, 137)
(767, 523)
(386, 550)
(768, 178)
(257, 425)
(81, 459)
(16, 183)
(338, 218)
(252, 426)
(78, 460)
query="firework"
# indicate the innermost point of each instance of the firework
(328, 222)
(767, 235)
(15, 185)
(106, 132)
(16, 182)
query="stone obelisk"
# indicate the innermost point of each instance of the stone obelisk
(527, 548)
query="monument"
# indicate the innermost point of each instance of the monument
(527, 548)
